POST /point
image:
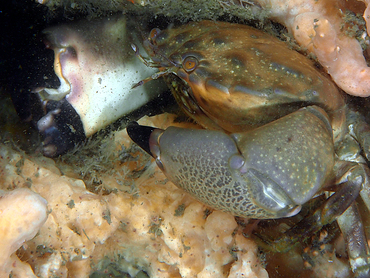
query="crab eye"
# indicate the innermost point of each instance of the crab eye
(190, 63)
(153, 34)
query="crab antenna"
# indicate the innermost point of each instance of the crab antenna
(145, 60)
(152, 64)
(141, 82)
(137, 53)
(153, 77)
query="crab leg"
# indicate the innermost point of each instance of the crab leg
(360, 130)
(352, 228)
(350, 221)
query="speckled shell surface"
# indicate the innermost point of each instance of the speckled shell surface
(285, 163)
(243, 77)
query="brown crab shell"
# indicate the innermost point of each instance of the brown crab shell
(236, 77)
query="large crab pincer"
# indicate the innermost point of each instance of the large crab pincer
(283, 133)
(264, 173)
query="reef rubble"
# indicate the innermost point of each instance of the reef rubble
(158, 228)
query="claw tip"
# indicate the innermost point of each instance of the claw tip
(140, 135)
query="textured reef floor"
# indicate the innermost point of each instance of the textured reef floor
(111, 212)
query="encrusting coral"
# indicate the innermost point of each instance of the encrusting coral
(22, 213)
(318, 26)
(158, 228)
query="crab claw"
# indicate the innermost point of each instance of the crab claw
(96, 70)
(265, 173)
(60, 128)
(141, 135)
(208, 165)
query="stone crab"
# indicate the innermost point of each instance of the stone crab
(96, 68)
(278, 131)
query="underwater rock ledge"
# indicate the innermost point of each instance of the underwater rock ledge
(160, 229)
